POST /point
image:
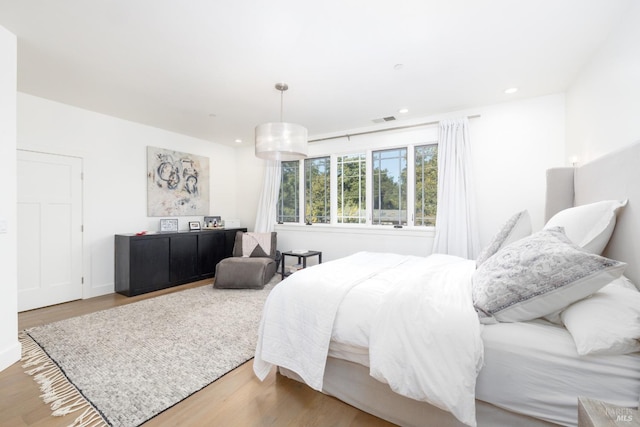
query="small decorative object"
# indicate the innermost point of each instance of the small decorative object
(169, 224)
(212, 221)
(194, 225)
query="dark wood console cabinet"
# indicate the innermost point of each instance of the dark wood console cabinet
(156, 261)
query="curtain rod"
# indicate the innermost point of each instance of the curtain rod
(349, 135)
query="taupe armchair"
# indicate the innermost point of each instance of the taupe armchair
(251, 271)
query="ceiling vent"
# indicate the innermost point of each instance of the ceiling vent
(384, 119)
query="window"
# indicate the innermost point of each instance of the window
(426, 184)
(396, 186)
(390, 187)
(288, 209)
(317, 192)
(351, 189)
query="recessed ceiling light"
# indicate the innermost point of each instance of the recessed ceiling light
(238, 141)
(403, 110)
(398, 66)
(511, 90)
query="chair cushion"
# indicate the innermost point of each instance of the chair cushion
(243, 272)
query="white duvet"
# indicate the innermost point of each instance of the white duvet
(423, 336)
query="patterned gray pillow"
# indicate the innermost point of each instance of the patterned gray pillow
(516, 227)
(538, 275)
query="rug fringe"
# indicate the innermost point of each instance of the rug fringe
(57, 391)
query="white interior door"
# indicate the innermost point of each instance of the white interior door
(49, 229)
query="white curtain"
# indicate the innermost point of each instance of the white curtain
(456, 222)
(267, 214)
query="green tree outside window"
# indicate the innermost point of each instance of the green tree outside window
(317, 200)
(352, 189)
(288, 201)
(426, 195)
(390, 187)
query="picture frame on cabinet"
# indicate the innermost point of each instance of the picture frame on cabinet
(194, 225)
(212, 221)
(169, 224)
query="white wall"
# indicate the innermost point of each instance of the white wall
(516, 143)
(513, 144)
(115, 163)
(603, 103)
(9, 345)
(249, 177)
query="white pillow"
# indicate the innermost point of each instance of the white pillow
(620, 281)
(589, 226)
(608, 322)
(516, 227)
(538, 275)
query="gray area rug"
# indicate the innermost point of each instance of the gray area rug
(132, 362)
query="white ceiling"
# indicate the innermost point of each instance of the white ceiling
(207, 68)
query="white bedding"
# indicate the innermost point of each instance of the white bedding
(436, 357)
(532, 368)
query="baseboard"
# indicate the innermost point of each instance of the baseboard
(10, 354)
(97, 291)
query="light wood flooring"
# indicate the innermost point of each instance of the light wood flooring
(237, 399)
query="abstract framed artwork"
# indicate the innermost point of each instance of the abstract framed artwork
(177, 183)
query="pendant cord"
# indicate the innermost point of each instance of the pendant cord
(282, 87)
(281, 103)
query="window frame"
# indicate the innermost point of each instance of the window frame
(328, 205)
(415, 149)
(403, 220)
(333, 190)
(362, 159)
(296, 195)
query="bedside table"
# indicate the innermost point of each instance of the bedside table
(302, 256)
(595, 413)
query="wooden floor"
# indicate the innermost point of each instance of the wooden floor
(237, 399)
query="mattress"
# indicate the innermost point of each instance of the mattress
(532, 368)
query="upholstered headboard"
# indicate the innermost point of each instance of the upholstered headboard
(615, 176)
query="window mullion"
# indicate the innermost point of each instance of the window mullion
(301, 190)
(337, 213)
(411, 187)
(369, 188)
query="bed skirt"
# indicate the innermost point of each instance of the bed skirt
(352, 384)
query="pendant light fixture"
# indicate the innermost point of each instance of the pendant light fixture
(280, 140)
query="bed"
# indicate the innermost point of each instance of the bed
(514, 368)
